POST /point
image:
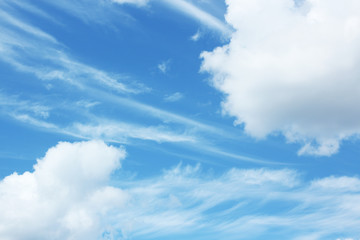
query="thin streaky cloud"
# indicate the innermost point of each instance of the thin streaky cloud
(112, 131)
(109, 131)
(198, 14)
(60, 66)
(10, 103)
(210, 149)
(34, 114)
(32, 121)
(155, 112)
(196, 36)
(14, 4)
(26, 27)
(103, 13)
(173, 97)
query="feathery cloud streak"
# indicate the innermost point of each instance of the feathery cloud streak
(202, 16)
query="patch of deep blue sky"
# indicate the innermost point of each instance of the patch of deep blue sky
(130, 43)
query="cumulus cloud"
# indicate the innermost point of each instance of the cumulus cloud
(65, 197)
(292, 67)
(68, 195)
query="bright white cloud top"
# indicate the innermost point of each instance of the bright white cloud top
(65, 197)
(292, 68)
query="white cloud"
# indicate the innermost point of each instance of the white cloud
(68, 196)
(345, 184)
(199, 14)
(104, 12)
(136, 2)
(13, 105)
(164, 66)
(292, 69)
(121, 131)
(65, 197)
(174, 97)
(196, 36)
(19, 48)
(87, 104)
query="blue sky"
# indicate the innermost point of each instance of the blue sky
(179, 119)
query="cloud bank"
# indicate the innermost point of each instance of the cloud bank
(292, 67)
(71, 194)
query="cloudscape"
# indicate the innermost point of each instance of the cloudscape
(180, 119)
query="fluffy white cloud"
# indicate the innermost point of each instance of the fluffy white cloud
(292, 67)
(69, 196)
(65, 197)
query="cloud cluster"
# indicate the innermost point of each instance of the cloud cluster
(292, 67)
(69, 196)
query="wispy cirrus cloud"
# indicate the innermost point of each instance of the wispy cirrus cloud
(35, 115)
(20, 48)
(195, 12)
(85, 124)
(136, 2)
(12, 104)
(51, 63)
(73, 184)
(196, 36)
(173, 97)
(104, 12)
(113, 131)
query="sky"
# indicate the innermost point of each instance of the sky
(179, 119)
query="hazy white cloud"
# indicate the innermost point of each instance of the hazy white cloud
(196, 36)
(68, 195)
(199, 14)
(107, 130)
(19, 47)
(121, 131)
(164, 66)
(292, 68)
(174, 97)
(136, 2)
(13, 105)
(190, 9)
(104, 12)
(87, 104)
